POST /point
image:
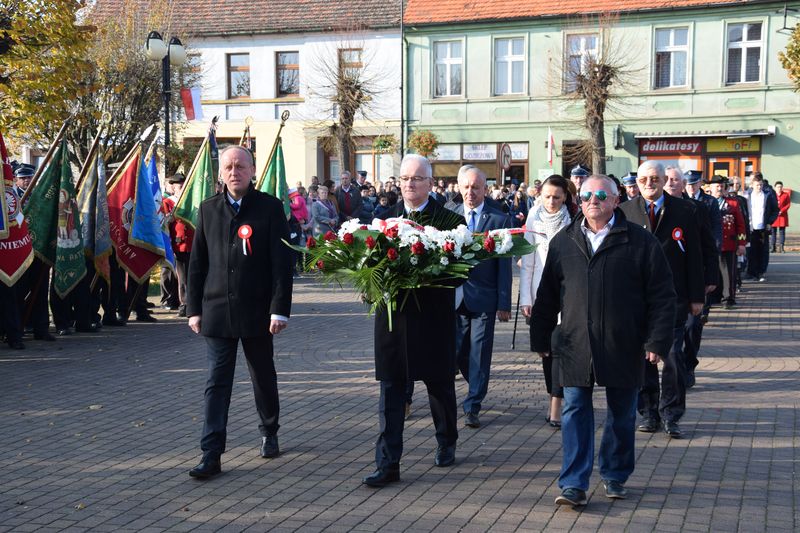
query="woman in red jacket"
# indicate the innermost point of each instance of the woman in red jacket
(782, 222)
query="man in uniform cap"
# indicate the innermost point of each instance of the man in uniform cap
(734, 238)
(629, 182)
(22, 178)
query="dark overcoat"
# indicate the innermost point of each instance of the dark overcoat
(236, 293)
(707, 241)
(422, 343)
(614, 305)
(684, 254)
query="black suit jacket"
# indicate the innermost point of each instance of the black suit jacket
(422, 343)
(686, 263)
(708, 242)
(236, 293)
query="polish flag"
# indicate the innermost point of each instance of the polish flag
(550, 146)
(191, 103)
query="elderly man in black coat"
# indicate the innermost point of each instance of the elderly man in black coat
(673, 221)
(240, 289)
(422, 343)
(611, 283)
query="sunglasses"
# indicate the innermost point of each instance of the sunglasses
(600, 195)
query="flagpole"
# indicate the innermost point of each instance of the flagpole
(86, 164)
(284, 118)
(45, 161)
(122, 165)
(190, 175)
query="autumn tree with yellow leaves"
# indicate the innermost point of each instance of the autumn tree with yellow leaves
(790, 58)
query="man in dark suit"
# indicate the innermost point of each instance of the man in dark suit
(348, 198)
(421, 345)
(486, 294)
(240, 288)
(673, 221)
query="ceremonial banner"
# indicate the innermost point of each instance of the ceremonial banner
(70, 263)
(41, 209)
(93, 205)
(199, 184)
(151, 177)
(16, 248)
(274, 180)
(137, 261)
(145, 229)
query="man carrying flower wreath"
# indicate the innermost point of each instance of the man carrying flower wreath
(416, 341)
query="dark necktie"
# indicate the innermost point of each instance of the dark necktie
(652, 215)
(346, 202)
(235, 206)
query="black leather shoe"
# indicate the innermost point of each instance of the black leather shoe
(382, 477)
(445, 456)
(46, 336)
(208, 467)
(472, 420)
(16, 345)
(269, 447)
(86, 329)
(146, 318)
(112, 321)
(690, 379)
(648, 425)
(672, 430)
(64, 332)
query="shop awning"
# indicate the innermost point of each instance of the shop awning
(765, 132)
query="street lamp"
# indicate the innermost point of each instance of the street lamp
(169, 54)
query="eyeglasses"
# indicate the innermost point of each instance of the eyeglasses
(645, 179)
(601, 195)
(413, 179)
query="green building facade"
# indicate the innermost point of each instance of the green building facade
(700, 87)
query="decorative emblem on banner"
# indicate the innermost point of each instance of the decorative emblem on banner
(127, 214)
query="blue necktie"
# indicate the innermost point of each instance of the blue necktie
(235, 206)
(471, 224)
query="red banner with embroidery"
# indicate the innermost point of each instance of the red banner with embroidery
(16, 246)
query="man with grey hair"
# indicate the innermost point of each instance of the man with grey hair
(599, 258)
(486, 295)
(348, 198)
(421, 343)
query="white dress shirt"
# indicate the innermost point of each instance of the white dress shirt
(596, 239)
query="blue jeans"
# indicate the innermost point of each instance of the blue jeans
(617, 447)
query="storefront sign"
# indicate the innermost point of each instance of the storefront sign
(519, 150)
(480, 152)
(448, 152)
(670, 146)
(744, 144)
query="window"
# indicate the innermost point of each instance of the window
(671, 57)
(744, 53)
(350, 61)
(581, 51)
(509, 66)
(447, 71)
(238, 76)
(287, 73)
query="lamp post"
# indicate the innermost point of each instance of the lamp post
(169, 54)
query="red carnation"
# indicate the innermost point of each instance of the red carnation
(449, 247)
(370, 240)
(488, 244)
(392, 232)
(391, 253)
(363, 227)
(321, 264)
(311, 242)
(418, 248)
(347, 238)
(329, 236)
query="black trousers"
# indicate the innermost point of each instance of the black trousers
(219, 386)
(182, 272)
(10, 322)
(442, 399)
(692, 337)
(169, 287)
(669, 401)
(758, 253)
(31, 290)
(728, 268)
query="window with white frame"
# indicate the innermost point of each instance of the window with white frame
(672, 51)
(448, 69)
(744, 53)
(509, 66)
(582, 49)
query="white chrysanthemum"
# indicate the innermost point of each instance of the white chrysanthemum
(349, 226)
(413, 260)
(444, 261)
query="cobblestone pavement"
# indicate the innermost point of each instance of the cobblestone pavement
(99, 431)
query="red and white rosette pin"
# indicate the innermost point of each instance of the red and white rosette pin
(677, 236)
(245, 232)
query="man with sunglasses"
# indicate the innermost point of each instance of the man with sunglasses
(673, 221)
(610, 282)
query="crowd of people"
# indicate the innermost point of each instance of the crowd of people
(659, 248)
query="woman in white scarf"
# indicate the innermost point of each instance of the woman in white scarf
(546, 219)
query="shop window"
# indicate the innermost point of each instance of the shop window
(509, 66)
(672, 50)
(582, 50)
(447, 70)
(238, 76)
(744, 53)
(287, 73)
